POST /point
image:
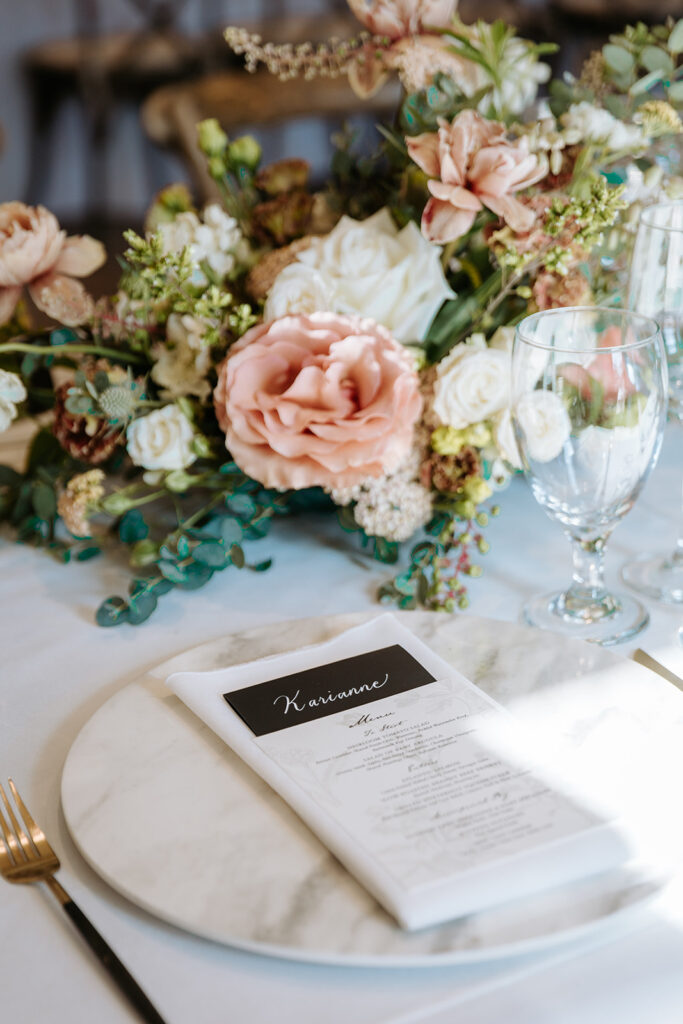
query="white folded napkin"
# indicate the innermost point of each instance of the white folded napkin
(416, 780)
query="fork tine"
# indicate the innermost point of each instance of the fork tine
(10, 853)
(37, 835)
(24, 840)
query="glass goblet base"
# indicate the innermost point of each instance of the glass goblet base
(611, 620)
(657, 577)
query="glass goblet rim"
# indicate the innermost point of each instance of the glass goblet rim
(625, 314)
(647, 216)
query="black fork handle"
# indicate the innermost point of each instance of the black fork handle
(107, 957)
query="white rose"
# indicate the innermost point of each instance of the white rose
(183, 362)
(395, 277)
(473, 383)
(161, 440)
(505, 440)
(544, 423)
(299, 289)
(8, 411)
(12, 390)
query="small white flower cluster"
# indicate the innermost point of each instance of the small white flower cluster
(584, 122)
(367, 268)
(215, 239)
(519, 77)
(392, 506)
(12, 390)
(184, 360)
(545, 141)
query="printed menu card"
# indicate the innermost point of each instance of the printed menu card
(419, 783)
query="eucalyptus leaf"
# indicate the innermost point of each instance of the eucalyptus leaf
(653, 58)
(172, 572)
(161, 587)
(133, 527)
(618, 59)
(241, 504)
(676, 92)
(196, 576)
(45, 451)
(63, 336)
(237, 556)
(230, 530)
(44, 500)
(9, 477)
(28, 365)
(675, 42)
(141, 607)
(261, 566)
(85, 554)
(112, 612)
(211, 553)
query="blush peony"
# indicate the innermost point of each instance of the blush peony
(398, 18)
(34, 251)
(320, 400)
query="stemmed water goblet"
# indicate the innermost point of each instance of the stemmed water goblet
(589, 404)
(656, 290)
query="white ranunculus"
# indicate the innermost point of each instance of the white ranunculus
(161, 440)
(374, 270)
(12, 390)
(472, 384)
(184, 360)
(584, 122)
(545, 424)
(299, 289)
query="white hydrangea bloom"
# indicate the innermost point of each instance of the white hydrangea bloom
(393, 506)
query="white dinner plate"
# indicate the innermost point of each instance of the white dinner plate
(173, 820)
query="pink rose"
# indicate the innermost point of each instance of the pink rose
(610, 370)
(35, 252)
(472, 165)
(397, 18)
(320, 400)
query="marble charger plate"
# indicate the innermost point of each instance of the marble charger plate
(172, 819)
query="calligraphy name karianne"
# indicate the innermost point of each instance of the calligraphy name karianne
(295, 703)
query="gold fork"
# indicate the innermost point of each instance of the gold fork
(30, 858)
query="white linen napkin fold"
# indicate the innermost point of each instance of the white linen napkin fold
(440, 818)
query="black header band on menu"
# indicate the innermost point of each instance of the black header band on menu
(327, 689)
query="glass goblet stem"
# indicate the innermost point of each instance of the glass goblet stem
(587, 598)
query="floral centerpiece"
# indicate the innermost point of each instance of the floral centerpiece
(347, 347)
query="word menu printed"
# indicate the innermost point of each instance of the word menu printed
(414, 778)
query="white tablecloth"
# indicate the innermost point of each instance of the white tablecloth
(57, 668)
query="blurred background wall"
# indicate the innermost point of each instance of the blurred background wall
(74, 74)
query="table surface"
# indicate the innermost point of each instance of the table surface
(58, 668)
